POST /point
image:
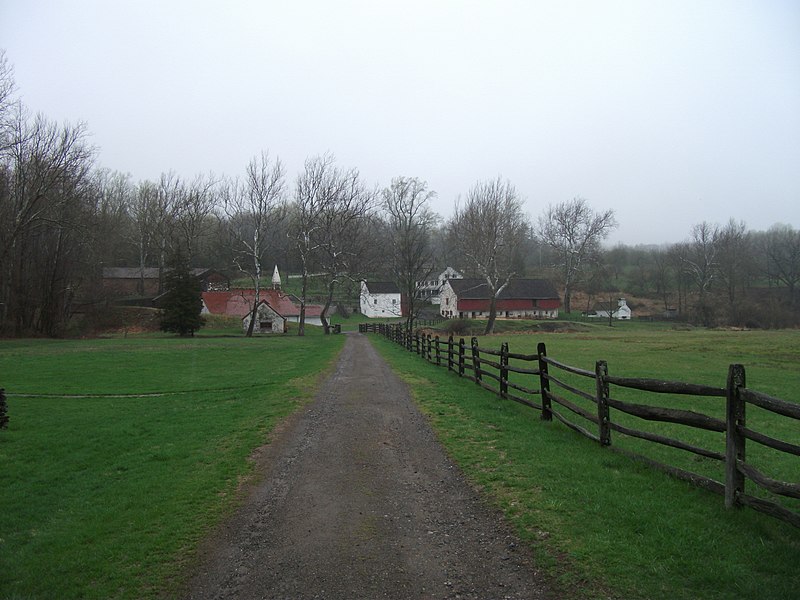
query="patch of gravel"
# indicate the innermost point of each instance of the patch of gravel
(359, 500)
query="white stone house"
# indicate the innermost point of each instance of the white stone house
(431, 289)
(380, 299)
(268, 320)
(621, 313)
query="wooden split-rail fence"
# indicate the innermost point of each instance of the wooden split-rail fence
(540, 382)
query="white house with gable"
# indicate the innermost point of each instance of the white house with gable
(431, 289)
(380, 299)
(621, 313)
(268, 320)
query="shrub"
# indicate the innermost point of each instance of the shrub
(457, 327)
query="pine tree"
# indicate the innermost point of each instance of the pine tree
(182, 302)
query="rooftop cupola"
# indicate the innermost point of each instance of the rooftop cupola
(276, 279)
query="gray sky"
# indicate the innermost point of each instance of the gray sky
(671, 112)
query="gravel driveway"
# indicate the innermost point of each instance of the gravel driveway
(358, 500)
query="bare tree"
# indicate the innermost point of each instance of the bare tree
(113, 194)
(310, 197)
(46, 173)
(194, 213)
(331, 215)
(409, 225)
(254, 208)
(143, 210)
(574, 232)
(7, 88)
(699, 259)
(781, 246)
(664, 276)
(487, 231)
(735, 265)
(168, 198)
(342, 239)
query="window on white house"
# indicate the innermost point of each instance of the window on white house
(376, 301)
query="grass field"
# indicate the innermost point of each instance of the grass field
(604, 525)
(107, 494)
(770, 358)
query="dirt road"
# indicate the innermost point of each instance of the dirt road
(359, 500)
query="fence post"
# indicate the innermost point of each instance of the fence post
(430, 345)
(544, 383)
(603, 414)
(438, 353)
(476, 359)
(734, 438)
(450, 361)
(504, 370)
(461, 349)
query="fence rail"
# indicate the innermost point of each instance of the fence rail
(530, 379)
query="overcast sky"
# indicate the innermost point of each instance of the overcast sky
(669, 112)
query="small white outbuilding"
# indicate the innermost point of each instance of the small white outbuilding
(621, 313)
(268, 320)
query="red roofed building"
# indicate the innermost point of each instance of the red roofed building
(239, 303)
(521, 299)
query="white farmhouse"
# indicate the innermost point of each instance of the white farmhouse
(380, 299)
(431, 289)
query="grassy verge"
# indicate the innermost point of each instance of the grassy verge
(107, 497)
(603, 525)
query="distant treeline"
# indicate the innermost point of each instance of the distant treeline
(62, 219)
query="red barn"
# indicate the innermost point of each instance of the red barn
(520, 299)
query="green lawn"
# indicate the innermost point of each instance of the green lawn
(107, 497)
(690, 355)
(604, 525)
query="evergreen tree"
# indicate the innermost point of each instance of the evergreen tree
(182, 303)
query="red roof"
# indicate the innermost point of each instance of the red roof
(240, 302)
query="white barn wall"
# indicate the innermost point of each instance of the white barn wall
(379, 305)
